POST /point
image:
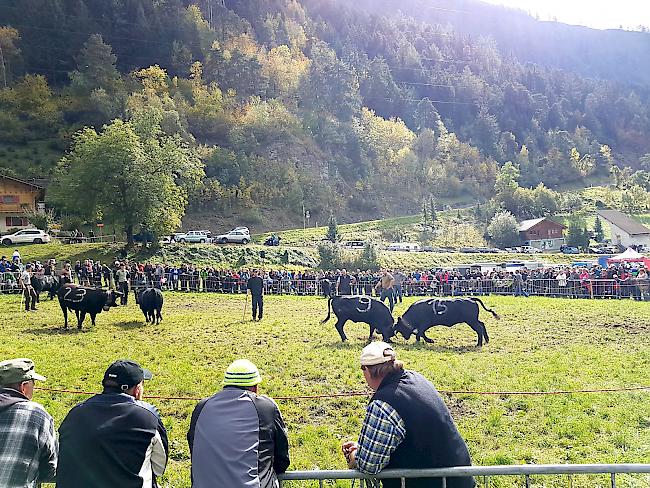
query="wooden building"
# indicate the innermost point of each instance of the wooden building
(16, 198)
(544, 234)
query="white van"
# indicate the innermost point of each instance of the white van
(403, 246)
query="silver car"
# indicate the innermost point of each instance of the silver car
(239, 236)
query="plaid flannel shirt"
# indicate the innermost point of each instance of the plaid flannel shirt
(28, 445)
(383, 430)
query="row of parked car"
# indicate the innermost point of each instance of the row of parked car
(239, 235)
(25, 236)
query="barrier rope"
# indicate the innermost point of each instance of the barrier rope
(364, 393)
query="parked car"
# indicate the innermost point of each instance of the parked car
(403, 246)
(354, 244)
(200, 236)
(237, 236)
(569, 250)
(31, 236)
(530, 250)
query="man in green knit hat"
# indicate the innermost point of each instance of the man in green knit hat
(237, 437)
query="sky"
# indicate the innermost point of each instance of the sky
(599, 14)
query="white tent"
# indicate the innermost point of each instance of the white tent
(630, 255)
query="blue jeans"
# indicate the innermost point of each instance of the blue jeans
(387, 293)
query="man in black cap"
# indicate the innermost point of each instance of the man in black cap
(114, 439)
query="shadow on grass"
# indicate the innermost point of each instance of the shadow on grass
(51, 331)
(132, 324)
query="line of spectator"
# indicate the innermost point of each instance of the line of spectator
(614, 281)
(236, 437)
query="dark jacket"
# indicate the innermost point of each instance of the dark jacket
(237, 438)
(432, 439)
(256, 286)
(111, 440)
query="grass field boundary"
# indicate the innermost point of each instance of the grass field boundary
(363, 393)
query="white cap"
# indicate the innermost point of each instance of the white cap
(377, 353)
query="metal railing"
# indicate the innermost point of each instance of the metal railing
(485, 472)
(569, 288)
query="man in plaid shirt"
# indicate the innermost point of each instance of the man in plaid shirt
(28, 447)
(407, 425)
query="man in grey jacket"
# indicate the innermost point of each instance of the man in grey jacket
(237, 437)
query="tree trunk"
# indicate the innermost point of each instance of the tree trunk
(129, 236)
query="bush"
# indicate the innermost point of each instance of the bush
(504, 230)
(330, 256)
(368, 258)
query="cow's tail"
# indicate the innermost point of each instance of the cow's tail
(494, 314)
(329, 310)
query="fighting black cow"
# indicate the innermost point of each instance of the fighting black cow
(427, 313)
(360, 308)
(151, 303)
(47, 283)
(84, 300)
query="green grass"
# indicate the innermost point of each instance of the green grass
(540, 344)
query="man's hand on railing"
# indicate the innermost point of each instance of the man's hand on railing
(349, 449)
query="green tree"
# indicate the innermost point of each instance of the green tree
(129, 179)
(9, 53)
(577, 234)
(504, 230)
(332, 229)
(599, 234)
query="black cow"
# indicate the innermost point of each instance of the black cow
(46, 283)
(85, 300)
(151, 302)
(361, 308)
(424, 314)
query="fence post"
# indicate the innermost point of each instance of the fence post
(527, 481)
(613, 478)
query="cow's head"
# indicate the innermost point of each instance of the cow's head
(111, 299)
(403, 327)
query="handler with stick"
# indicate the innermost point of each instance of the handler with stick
(256, 286)
(28, 290)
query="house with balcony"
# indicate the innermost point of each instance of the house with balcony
(544, 234)
(17, 197)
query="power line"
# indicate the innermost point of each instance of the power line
(421, 100)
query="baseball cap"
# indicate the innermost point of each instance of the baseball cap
(14, 371)
(377, 353)
(126, 373)
(241, 373)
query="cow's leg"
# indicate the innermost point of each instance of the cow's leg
(478, 327)
(65, 314)
(372, 331)
(485, 334)
(339, 328)
(424, 336)
(82, 317)
(146, 315)
(92, 318)
(158, 316)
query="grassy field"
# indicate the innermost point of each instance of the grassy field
(540, 344)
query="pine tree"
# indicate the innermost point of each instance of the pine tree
(599, 234)
(332, 229)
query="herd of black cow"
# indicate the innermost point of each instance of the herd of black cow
(417, 319)
(84, 300)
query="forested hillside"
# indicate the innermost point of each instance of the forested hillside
(261, 108)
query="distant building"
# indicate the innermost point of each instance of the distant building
(544, 234)
(625, 230)
(17, 197)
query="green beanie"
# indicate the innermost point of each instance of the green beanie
(242, 373)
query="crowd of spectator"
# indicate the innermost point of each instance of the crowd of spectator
(621, 280)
